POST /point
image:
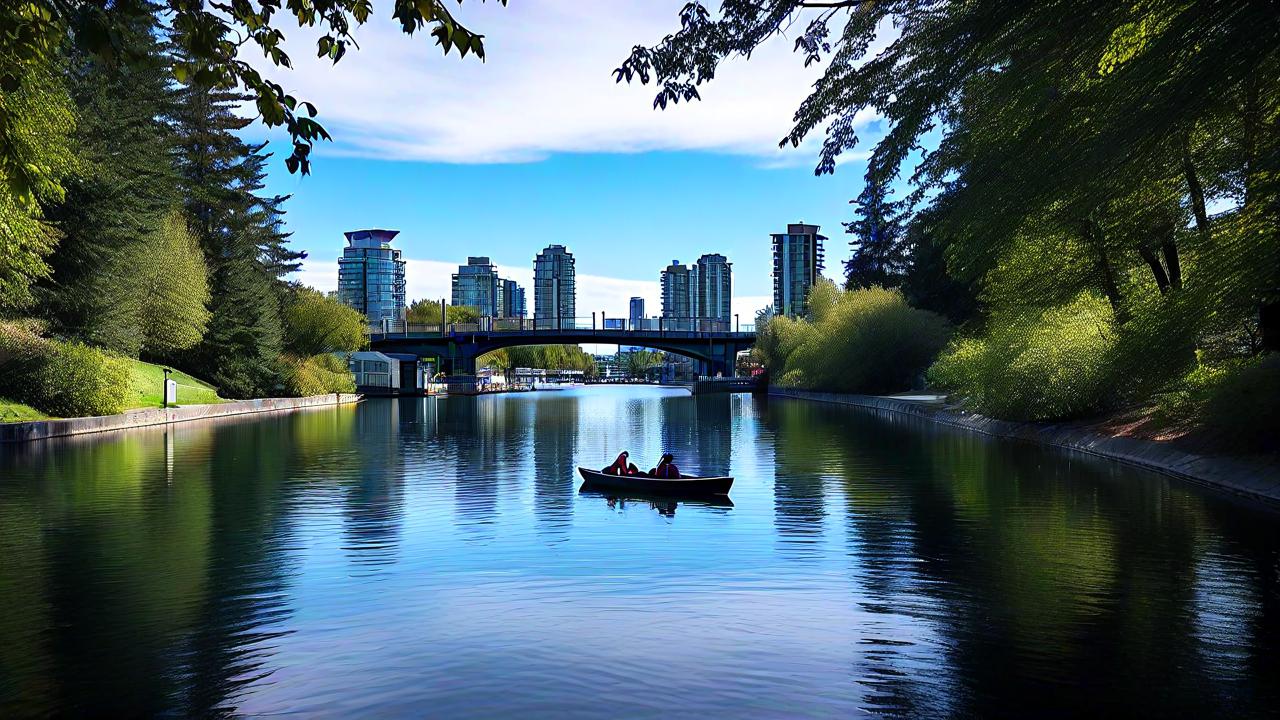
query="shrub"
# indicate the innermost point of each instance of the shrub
(317, 375)
(1244, 406)
(64, 379)
(867, 340)
(1044, 365)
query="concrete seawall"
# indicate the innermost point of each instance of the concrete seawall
(1254, 477)
(43, 429)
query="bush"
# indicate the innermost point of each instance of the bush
(64, 379)
(1244, 406)
(1044, 365)
(867, 340)
(317, 375)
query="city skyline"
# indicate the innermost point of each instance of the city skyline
(606, 296)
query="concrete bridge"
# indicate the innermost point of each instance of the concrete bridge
(712, 345)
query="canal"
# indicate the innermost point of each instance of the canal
(434, 558)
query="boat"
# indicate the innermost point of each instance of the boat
(684, 485)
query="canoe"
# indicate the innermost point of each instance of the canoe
(689, 486)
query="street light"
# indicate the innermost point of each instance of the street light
(735, 322)
(164, 390)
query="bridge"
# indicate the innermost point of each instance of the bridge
(713, 345)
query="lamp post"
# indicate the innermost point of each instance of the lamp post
(164, 389)
(735, 323)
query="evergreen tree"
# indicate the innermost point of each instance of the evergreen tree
(124, 186)
(243, 240)
(879, 255)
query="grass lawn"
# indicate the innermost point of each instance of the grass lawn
(148, 387)
(11, 411)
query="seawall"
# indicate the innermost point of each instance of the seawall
(1254, 477)
(44, 429)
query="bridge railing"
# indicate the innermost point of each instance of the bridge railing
(554, 325)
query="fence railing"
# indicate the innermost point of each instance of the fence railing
(553, 325)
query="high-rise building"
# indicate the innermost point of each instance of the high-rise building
(637, 312)
(677, 290)
(713, 288)
(797, 265)
(371, 275)
(476, 285)
(554, 290)
(510, 299)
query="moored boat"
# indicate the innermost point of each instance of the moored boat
(687, 486)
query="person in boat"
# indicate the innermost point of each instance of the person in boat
(666, 468)
(621, 466)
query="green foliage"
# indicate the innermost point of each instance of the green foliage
(1040, 365)
(1244, 406)
(317, 375)
(212, 46)
(427, 312)
(173, 290)
(243, 240)
(549, 357)
(866, 340)
(641, 364)
(316, 324)
(36, 153)
(423, 312)
(1064, 150)
(63, 379)
(113, 214)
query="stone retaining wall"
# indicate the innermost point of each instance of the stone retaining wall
(1253, 477)
(42, 429)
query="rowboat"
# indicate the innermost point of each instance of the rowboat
(687, 486)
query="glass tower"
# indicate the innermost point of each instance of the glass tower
(637, 311)
(510, 299)
(797, 265)
(713, 288)
(371, 275)
(554, 289)
(677, 290)
(476, 285)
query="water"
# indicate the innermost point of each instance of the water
(435, 558)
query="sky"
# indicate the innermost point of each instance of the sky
(538, 145)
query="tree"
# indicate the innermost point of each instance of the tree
(243, 240)
(316, 324)
(173, 287)
(124, 187)
(879, 253)
(423, 312)
(640, 364)
(1072, 148)
(36, 153)
(461, 314)
(211, 43)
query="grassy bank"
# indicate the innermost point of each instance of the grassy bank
(12, 411)
(146, 385)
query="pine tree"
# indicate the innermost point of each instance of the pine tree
(879, 255)
(123, 188)
(243, 240)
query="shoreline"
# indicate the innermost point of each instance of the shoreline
(33, 430)
(1253, 477)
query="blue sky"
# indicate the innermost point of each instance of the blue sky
(538, 145)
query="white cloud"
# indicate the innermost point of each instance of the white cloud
(546, 86)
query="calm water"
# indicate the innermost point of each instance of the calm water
(435, 558)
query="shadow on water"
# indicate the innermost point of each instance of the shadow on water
(665, 505)
(1055, 584)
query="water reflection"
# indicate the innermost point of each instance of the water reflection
(665, 506)
(437, 553)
